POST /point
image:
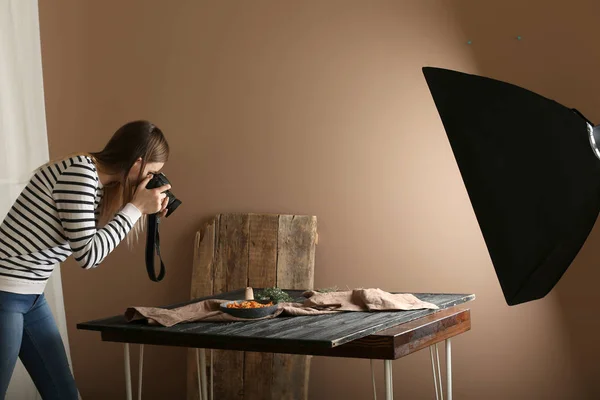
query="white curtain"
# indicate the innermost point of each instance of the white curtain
(23, 139)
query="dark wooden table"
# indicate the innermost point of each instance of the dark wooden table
(372, 335)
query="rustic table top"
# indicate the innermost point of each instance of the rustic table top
(302, 333)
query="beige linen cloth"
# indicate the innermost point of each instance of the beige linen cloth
(316, 303)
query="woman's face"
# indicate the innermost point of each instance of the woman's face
(134, 172)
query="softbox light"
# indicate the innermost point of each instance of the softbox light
(531, 169)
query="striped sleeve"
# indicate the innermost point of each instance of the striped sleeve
(75, 194)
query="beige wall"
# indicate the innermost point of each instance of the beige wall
(320, 107)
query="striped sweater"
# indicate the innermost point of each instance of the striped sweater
(55, 216)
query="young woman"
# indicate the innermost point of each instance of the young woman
(83, 205)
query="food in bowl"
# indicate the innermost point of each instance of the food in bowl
(249, 304)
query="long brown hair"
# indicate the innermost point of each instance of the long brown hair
(132, 141)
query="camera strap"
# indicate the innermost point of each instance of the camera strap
(152, 244)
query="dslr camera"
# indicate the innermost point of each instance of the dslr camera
(159, 180)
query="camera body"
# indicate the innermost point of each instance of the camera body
(159, 180)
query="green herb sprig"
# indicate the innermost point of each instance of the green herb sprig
(275, 295)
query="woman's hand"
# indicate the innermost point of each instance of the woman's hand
(150, 201)
(163, 210)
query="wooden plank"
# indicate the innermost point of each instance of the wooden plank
(296, 251)
(295, 270)
(407, 338)
(220, 267)
(203, 263)
(258, 369)
(244, 252)
(202, 286)
(292, 383)
(416, 337)
(262, 258)
(231, 274)
(262, 272)
(233, 251)
(228, 374)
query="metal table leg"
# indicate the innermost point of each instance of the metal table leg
(212, 397)
(437, 371)
(140, 372)
(435, 363)
(449, 369)
(127, 373)
(373, 381)
(199, 375)
(437, 376)
(389, 388)
(201, 371)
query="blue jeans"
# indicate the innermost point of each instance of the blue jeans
(28, 331)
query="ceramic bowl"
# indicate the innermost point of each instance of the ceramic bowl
(249, 313)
